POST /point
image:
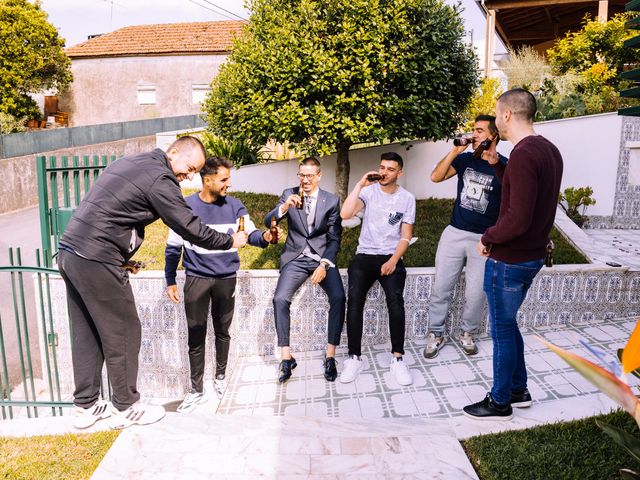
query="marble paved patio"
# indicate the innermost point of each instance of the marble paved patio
(441, 386)
(374, 428)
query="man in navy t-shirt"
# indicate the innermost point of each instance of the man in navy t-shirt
(476, 209)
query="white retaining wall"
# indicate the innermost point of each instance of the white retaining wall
(590, 147)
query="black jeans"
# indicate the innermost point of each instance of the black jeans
(105, 328)
(364, 270)
(200, 296)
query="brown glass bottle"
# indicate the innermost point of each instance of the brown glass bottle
(301, 195)
(274, 231)
(241, 224)
(548, 260)
(374, 177)
(484, 145)
(461, 141)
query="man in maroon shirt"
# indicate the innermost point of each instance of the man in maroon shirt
(516, 247)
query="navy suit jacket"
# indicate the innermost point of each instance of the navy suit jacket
(325, 236)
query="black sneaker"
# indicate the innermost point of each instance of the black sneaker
(487, 409)
(521, 399)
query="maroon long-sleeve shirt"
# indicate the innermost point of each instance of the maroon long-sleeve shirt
(530, 188)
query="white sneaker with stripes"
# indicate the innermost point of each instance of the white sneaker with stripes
(85, 417)
(191, 401)
(137, 414)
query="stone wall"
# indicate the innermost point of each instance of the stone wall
(20, 181)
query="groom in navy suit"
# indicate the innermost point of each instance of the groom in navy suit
(309, 251)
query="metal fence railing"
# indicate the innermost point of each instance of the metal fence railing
(29, 378)
(61, 186)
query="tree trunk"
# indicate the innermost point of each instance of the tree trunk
(342, 170)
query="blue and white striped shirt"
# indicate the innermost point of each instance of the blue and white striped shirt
(223, 216)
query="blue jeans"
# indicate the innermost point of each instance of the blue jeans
(506, 285)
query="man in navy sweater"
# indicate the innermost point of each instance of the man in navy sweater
(516, 247)
(210, 275)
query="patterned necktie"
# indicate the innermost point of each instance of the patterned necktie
(307, 211)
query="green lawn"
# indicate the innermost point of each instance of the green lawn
(432, 216)
(54, 457)
(574, 450)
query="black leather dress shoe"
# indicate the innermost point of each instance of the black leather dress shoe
(330, 370)
(286, 366)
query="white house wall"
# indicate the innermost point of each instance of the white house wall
(104, 90)
(589, 145)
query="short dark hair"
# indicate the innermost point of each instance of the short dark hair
(213, 163)
(394, 157)
(187, 144)
(492, 122)
(310, 161)
(521, 103)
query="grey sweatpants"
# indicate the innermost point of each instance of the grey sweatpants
(456, 249)
(105, 328)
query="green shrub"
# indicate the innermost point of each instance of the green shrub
(526, 68)
(574, 201)
(483, 102)
(240, 152)
(11, 124)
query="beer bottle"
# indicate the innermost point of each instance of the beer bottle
(241, 224)
(274, 231)
(374, 177)
(301, 195)
(548, 261)
(484, 145)
(461, 141)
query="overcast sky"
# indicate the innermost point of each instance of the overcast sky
(77, 19)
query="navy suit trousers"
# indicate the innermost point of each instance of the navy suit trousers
(292, 276)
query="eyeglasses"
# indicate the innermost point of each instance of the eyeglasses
(308, 176)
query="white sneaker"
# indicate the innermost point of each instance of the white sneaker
(191, 401)
(137, 414)
(400, 371)
(220, 385)
(85, 417)
(351, 368)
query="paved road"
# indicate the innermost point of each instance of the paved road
(19, 229)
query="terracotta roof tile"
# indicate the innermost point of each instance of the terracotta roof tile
(161, 39)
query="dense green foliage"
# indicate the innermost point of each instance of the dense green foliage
(581, 76)
(596, 43)
(324, 75)
(483, 102)
(32, 58)
(573, 450)
(432, 216)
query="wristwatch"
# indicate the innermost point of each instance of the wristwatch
(325, 265)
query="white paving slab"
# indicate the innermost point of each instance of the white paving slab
(222, 446)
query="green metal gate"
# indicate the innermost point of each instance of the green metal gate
(17, 369)
(61, 187)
